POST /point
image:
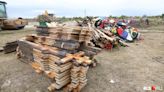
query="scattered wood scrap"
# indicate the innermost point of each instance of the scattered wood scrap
(10, 47)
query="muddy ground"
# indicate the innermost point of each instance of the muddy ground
(127, 69)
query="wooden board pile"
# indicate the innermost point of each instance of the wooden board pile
(70, 71)
(79, 34)
(78, 77)
(102, 37)
(63, 55)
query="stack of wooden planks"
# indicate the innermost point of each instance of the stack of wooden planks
(64, 59)
(78, 78)
(72, 71)
(77, 33)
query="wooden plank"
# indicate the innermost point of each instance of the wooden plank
(58, 69)
(58, 86)
(52, 87)
(45, 65)
(65, 68)
(51, 74)
(10, 47)
(67, 58)
(62, 65)
(79, 54)
(75, 68)
(79, 88)
(69, 45)
(60, 75)
(81, 60)
(84, 69)
(46, 41)
(37, 53)
(61, 80)
(53, 58)
(104, 35)
(83, 80)
(37, 67)
(71, 56)
(69, 88)
(45, 49)
(74, 85)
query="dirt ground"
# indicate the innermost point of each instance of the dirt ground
(127, 69)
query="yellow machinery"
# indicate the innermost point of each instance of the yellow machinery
(8, 24)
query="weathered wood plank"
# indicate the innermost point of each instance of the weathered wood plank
(10, 47)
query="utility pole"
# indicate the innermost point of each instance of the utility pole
(85, 12)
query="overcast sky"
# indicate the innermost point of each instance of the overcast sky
(69, 8)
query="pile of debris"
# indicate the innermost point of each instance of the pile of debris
(109, 33)
(64, 54)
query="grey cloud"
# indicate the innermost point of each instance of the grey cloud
(31, 8)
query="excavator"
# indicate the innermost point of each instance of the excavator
(10, 24)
